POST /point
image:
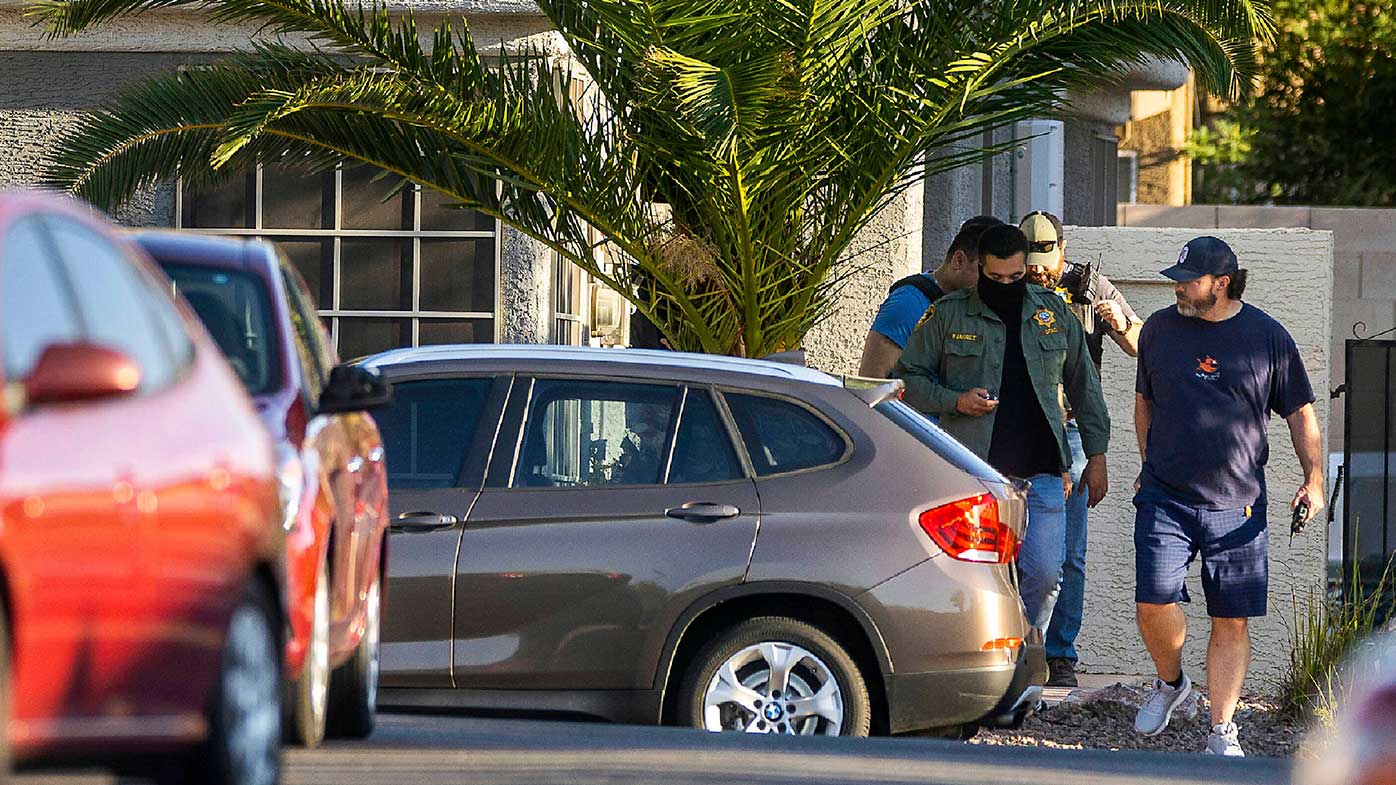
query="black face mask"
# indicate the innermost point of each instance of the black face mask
(1001, 296)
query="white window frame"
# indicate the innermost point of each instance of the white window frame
(1133, 164)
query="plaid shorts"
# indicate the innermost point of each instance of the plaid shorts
(1234, 545)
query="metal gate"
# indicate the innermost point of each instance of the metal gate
(1369, 457)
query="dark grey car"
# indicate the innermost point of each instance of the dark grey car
(695, 540)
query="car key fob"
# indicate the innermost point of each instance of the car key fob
(1301, 517)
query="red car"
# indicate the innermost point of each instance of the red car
(140, 555)
(331, 468)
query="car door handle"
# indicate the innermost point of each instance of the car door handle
(703, 512)
(417, 522)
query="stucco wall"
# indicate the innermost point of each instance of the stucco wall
(1281, 262)
(888, 248)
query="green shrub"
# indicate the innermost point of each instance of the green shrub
(1326, 630)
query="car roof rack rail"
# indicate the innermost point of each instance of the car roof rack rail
(873, 391)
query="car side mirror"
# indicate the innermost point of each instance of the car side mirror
(80, 371)
(353, 388)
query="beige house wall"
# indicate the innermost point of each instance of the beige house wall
(1160, 123)
(1281, 261)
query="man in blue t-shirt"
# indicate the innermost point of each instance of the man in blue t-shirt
(1211, 371)
(909, 298)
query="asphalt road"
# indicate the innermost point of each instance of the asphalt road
(449, 750)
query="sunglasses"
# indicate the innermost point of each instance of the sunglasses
(1043, 246)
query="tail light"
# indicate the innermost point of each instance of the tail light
(970, 530)
(1002, 644)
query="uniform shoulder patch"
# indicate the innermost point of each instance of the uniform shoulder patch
(926, 317)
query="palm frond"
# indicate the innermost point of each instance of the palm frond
(773, 130)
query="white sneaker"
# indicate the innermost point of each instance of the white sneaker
(1158, 709)
(1223, 741)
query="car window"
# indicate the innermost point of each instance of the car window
(119, 306)
(35, 302)
(783, 437)
(428, 429)
(590, 434)
(314, 351)
(702, 450)
(236, 308)
(944, 445)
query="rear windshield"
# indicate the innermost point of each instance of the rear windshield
(944, 445)
(236, 309)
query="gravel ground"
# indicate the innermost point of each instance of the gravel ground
(1104, 719)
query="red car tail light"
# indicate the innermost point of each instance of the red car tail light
(970, 530)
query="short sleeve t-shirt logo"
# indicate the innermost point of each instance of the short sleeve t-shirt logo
(1226, 378)
(1208, 368)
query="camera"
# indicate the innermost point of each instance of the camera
(1079, 281)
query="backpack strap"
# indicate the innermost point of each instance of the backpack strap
(925, 283)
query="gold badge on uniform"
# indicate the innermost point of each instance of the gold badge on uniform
(1047, 321)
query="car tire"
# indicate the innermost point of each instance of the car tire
(244, 728)
(728, 685)
(354, 685)
(6, 684)
(308, 695)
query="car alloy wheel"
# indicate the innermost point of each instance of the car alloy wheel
(774, 687)
(310, 693)
(777, 675)
(354, 686)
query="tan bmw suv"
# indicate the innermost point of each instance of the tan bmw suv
(695, 540)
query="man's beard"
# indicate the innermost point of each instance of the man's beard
(1195, 308)
(1044, 277)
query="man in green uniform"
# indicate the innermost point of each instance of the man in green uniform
(999, 391)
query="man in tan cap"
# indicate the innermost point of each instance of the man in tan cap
(1102, 311)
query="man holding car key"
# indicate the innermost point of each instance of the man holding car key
(992, 361)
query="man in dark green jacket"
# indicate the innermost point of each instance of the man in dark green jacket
(1000, 392)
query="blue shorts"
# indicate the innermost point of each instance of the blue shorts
(1234, 545)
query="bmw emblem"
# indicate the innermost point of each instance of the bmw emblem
(773, 712)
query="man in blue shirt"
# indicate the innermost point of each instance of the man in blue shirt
(909, 298)
(1211, 371)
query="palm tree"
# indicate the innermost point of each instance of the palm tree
(727, 151)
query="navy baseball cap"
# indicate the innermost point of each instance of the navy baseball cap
(1202, 256)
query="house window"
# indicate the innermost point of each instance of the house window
(1129, 176)
(387, 269)
(569, 303)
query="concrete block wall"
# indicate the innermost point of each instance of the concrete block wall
(1364, 264)
(1281, 261)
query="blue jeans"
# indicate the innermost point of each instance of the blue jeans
(1066, 617)
(1044, 548)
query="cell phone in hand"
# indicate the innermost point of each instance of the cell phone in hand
(988, 396)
